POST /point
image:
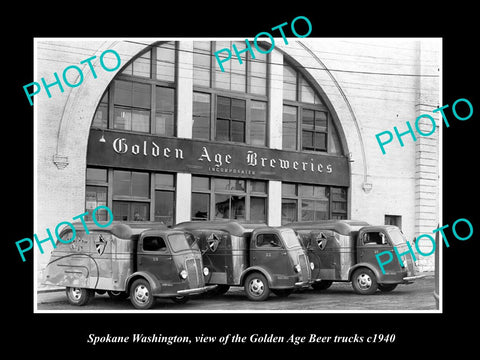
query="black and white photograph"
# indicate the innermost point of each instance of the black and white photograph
(265, 186)
(238, 175)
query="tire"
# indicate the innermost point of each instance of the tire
(364, 281)
(79, 296)
(180, 299)
(117, 295)
(282, 292)
(387, 287)
(256, 287)
(141, 294)
(322, 284)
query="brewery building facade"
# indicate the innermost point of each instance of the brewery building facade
(284, 136)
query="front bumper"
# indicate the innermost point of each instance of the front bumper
(411, 279)
(196, 290)
(302, 284)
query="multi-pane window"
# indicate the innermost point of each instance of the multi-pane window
(96, 193)
(132, 103)
(227, 198)
(302, 202)
(307, 123)
(230, 122)
(202, 63)
(258, 123)
(314, 130)
(164, 111)
(201, 116)
(100, 118)
(289, 128)
(142, 97)
(164, 198)
(229, 105)
(132, 195)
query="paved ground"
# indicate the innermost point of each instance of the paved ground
(340, 296)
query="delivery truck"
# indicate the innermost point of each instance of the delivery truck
(142, 261)
(260, 258)
(344, 250)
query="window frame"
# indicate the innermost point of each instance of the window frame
(331, 130)
(247, 95)
(331, 213)
(247, 194)
(152, 81)
(153, 186)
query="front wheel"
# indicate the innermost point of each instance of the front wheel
(256, 287)
(79, 296)
(364, 282)
(141, 294)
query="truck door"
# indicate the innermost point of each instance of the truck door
(155, 257)
(328, 251)
(213, 246)
(268, 251)
(371, 243)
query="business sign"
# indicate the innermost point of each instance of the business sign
(156, 153)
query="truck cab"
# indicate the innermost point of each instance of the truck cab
(344, 250)
(259, 258)
(140, 261)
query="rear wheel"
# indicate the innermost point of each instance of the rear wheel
(141, 294)
(364, 281)
(79, 296)
(256, 287)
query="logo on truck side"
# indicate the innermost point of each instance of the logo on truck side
(213, 242)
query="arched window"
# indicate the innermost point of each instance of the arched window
(307, 122)
(229, 105)
(142, 96)
(140, 99)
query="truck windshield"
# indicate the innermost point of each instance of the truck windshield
(290, 238)
(178, 242)
(396, 235)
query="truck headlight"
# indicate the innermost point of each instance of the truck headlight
(312, 265)
(183, 274)
(206, 271)
(297, 268)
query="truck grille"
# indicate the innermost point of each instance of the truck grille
(302, 260)
(194, 273)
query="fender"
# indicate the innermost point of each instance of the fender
(254, 269)
(152, 279)
(378, 275)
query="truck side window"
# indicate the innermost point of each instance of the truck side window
(154, 243)
(374, 238)
(268, 240)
